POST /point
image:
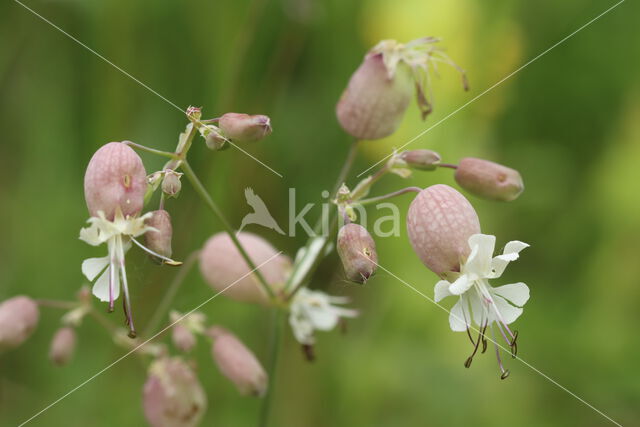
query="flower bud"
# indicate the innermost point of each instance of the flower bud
(172, 395)
(224, 268)
(213, 138)
(426, 160)
(373, 104)
(243, 127)
(357, 250)
(238, 363)
(489, 180)
(115, 179)
(18, 319)
(171, 185)
(440, 221)
(182, 338)
(159, 241)
(63, 346)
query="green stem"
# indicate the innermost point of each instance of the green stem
(168, 297)
(150, 150)
(274, 351)
(389, 196)
(202, 192)
(63, 305)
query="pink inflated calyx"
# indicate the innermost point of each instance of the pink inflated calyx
(115, 180)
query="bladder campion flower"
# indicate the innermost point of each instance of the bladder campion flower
(18, 319)
(444, 231)
(315, 310)
(115, 185)
(357, 251)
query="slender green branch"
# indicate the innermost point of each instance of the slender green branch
(63, 305)
(447, 165)
(168, 297)
(346, 167)
(389, 196)
(274, 351)
(150, 150)
(202, 192)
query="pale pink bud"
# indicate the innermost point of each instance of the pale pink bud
(489, 180)
(238, 363)
(440, 221)
(182, 338)
(115, 179)
(215, 141)
(159, 241)
(63, 346)
(18, 319)
(421, 159)
(244, 127)
(357, 251)
(171, 184)
(173, 395)
(225, 270)
(373, 104)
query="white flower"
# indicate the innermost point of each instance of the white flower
(478, 300)
(313, 310)
(110, 270)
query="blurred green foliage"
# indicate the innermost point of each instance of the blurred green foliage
(569, 122)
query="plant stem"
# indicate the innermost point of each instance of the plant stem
(202, 192)
(274, 351)
(168, 297)
(447, 165)
(63, 305)
(150, 150)
(346, 167)
(388, 196)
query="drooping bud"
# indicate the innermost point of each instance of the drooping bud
(238, 363)
(380, 90)
(171, 185)
(159, 241)
(244, 127)
(489, 180)
(173, 395)
(184, 329)
(426, 160)
(224, 268)
(357, 250)
(63, 346)
(440, 221)
(182, 338)
(115, 179)
(18, 319)
(213, 138)
(373, 104)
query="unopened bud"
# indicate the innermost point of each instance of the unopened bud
(489, 180)
(173, 395)
(115, 179)
(421, 159)
(171, 185)
(238, 363)
(18, 319)
(213, 138)
(357, 250)
(159, 241)
(63, 346)
(194, 113)
(182, 338)
(244, 127)
(440, 221)
(373, 104)
(222, 265)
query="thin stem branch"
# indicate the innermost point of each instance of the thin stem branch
(150, 150)
(63, 305)
(274, 351)
(389, 196)
(204, 194)
(447, 165)
(346, 167)
(168, 297)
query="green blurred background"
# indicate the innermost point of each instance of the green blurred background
(569, 122)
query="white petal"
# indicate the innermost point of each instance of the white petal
(101, 287)
(508, 313)
(91, 267)
(457, 317)
(479, 262)
(323, 318)
(516, 293)
(477, 308)
(461, 285)
(441, 290)
(510, 253)
(302, 329)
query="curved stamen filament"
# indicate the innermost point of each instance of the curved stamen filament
(112, 275)
(504, 373)
(126, 302)
(164, 259)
